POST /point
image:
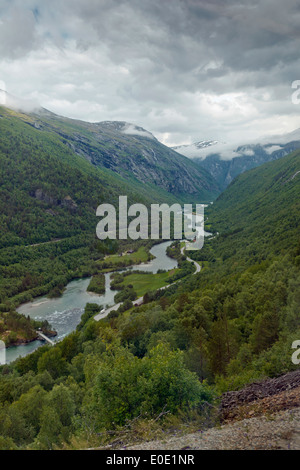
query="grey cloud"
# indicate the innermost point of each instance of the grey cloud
(17, 32)
(188, 68)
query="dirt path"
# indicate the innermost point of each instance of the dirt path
(57, 240)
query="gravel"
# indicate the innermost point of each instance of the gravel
(279, 431)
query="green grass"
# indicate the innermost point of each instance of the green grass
(143, 283)
(139, 256)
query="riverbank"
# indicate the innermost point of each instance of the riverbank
(84, 263)
(64, 313)
(17, 329)
(25, 342)
(143, 282)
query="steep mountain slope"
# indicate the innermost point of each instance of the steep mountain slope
(238, 318)
(133, 153)
(46, 189)
(251, 275)
(224, 161)
(129, 151)
(263, 205)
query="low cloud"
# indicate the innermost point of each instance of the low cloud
(17, 32)
(130, 129)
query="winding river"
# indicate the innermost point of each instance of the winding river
(64, 313)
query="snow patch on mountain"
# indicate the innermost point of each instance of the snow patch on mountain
(227, 151)
(203, 149)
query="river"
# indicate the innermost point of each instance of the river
(64, 313)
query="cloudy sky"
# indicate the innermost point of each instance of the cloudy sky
(187, 70)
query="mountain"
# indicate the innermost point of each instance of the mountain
(250, 277)
(259, 211)
(47, 190)
(54, 172)
(232, 324)
(127, 150)
(225, 161)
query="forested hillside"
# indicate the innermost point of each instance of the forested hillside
(252, 272)
(230, 324)
(48, 201)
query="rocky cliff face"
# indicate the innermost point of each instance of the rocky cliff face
(133, 153)
(126, 149)
(66, 202)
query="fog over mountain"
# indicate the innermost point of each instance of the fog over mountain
(224, 161)
(18, 104)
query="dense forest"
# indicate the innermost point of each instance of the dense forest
(167, 361)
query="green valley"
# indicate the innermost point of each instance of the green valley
(213, 331)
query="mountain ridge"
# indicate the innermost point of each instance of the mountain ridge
(226, 161)
(127, 150)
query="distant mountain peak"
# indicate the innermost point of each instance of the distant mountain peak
(224, 161)
(192, 150)
(229, 150)
(199, 145)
